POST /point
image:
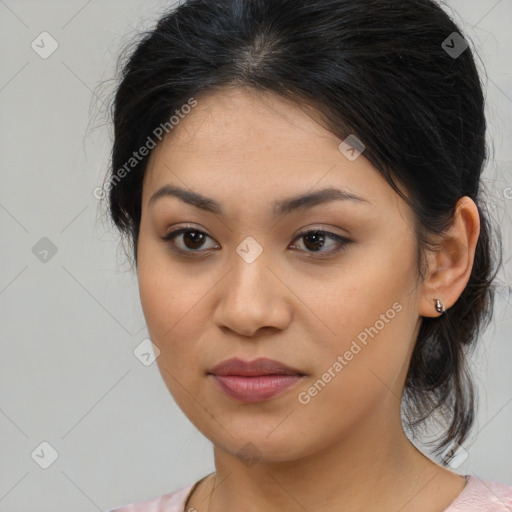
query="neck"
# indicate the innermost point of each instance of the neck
(373, 467)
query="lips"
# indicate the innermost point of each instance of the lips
(261, 366)
(254, 381)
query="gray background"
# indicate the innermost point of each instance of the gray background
(69, 325)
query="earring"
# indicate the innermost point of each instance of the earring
(439, 306)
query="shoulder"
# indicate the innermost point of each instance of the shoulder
(482, 495)
(170, 502)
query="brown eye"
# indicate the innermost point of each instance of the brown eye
(192, 239)
(316, 240)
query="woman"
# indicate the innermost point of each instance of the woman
(300, 185)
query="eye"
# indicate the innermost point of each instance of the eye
(193, 239)
(316, 240)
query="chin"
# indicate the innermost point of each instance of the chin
(253, 450)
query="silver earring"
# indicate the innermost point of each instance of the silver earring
(439, 306)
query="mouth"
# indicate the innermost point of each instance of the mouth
(254, 381)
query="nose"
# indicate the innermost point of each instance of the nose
(253, 298)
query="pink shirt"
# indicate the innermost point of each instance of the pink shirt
(478, 495)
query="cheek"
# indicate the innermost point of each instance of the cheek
(173, 328)
(353, 380)
(169, 318)
(371, 310)
(168, 305)
(161, 287)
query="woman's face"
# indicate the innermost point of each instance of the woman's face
(246, 282)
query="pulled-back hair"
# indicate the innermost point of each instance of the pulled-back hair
(377, 69)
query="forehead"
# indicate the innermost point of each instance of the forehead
(259, 145)
(235, 122)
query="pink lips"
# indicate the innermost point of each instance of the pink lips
(254, 381)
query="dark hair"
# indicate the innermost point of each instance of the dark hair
(378, 69)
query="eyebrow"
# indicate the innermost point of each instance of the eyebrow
(280, 208)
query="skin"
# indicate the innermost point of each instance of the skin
(345, 449)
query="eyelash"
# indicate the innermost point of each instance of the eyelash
(342, 241)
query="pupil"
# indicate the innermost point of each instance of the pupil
(319, 240)
(196, 239)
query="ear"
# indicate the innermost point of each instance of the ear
(450, 266)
